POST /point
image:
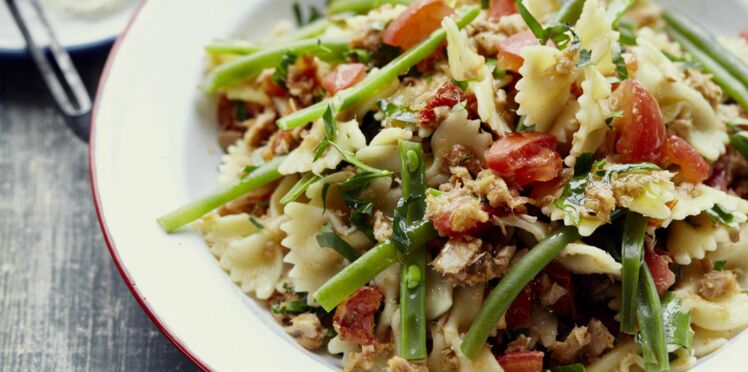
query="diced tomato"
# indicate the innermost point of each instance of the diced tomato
(524, 361)
(657, 262)
(721, 175)
(565, 306)
(519, 311)
(641, 130)
(343, 76)
(509, 57)
(691, 165)
(500, 8)
(354, 317)
(525, 157)
(447, 96)
(416, 23)
(443, 223)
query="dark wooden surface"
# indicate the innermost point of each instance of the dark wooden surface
(63, 304)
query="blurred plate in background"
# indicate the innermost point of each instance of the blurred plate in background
(78, 24)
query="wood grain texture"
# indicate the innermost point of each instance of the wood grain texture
(63, 305)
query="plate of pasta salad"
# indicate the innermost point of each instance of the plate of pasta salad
(432, 185)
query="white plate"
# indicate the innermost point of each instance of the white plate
(153, 147)
(74, 30)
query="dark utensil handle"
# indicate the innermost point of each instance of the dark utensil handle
(63, 82)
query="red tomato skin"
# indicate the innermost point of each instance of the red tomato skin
(641, 130)
(524, 361)
(343, 76)
(525, 157)
(658, 266)
(416, 23)
(692, 166)
(509, 57)
(447, 95)
(500, 8)
(354, 317)
(519, 311)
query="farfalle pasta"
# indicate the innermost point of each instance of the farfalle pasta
(534, 185)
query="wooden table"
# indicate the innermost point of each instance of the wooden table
(63, 305)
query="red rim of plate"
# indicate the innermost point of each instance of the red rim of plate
(178, 343)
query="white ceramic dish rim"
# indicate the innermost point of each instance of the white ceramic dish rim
(729, 355)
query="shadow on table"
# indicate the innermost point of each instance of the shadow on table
(64, 305)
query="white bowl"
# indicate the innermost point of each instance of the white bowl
(153, 148)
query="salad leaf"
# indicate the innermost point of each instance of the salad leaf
(621, 69)
(281, 71)
(720, 265)
(396, 112)
(677, 322)
(291, 308)
(255, 222)
(719, 215)
(328, 238)
(299, 188)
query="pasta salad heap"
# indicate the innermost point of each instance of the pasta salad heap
(485, 186)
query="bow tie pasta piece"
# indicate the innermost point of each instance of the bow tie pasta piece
(730, 312)
(255, 263)
(624, 358)
(348, 137)
(585, 259)
(594, 109)
(389, 282)
(447, 336)
(542, 92)
(382, 151)
(456, 129)
(702, 129)
(220, 231)
(689, 240)
(735, 256)
(596, 35)
(312, 264)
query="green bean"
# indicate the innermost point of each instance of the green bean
(369, 265)
(251, 65)
(651, 326)
(634, 227)
(616, 9)
(259, 177)
(360, 6)
(569, 12)
(232, 47)
(701, 38)
(739, 141)
(245, 47)
(511, 284)
(733, 87)
(375, 82)
(413, 269)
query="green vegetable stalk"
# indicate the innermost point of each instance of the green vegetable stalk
(651, 328)
(633, 240)
(569, 12)
(702, 40)
(732, 85)
(375, 82)
(511, 284)
(251, 65)
(257, 178)
(360, 6)
(369, 265)
(245, 47)
(413, 268)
